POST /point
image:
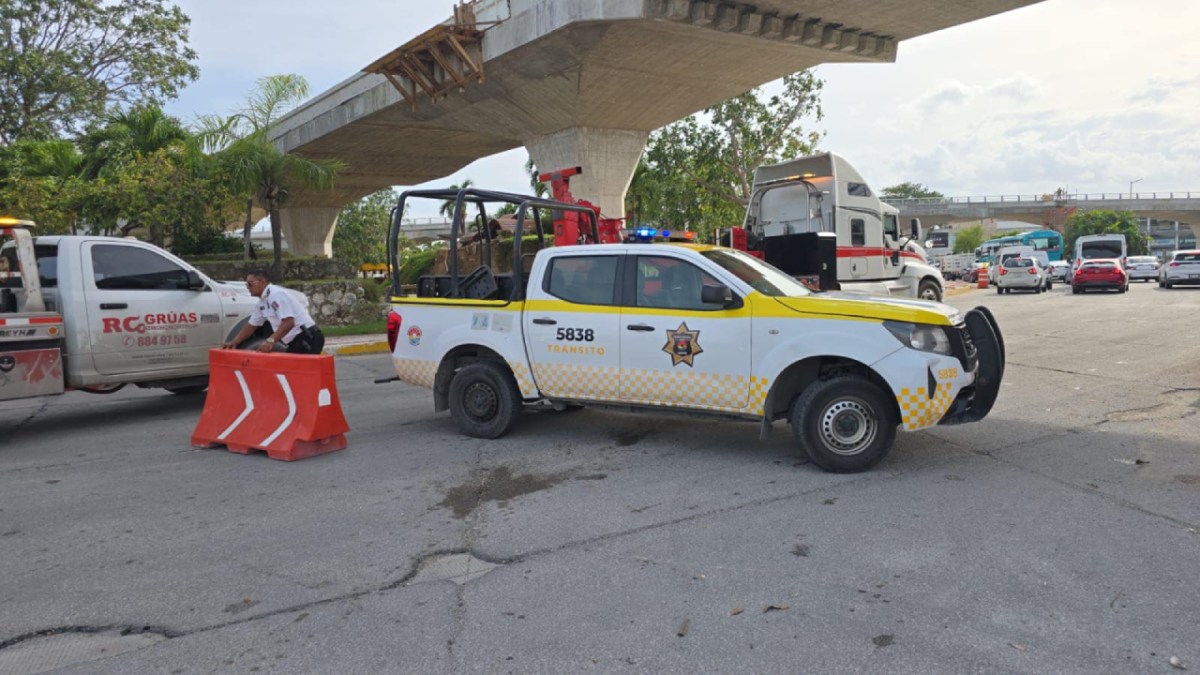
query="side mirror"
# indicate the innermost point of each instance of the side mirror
(716, 295)
(194, 282)
(915, 224)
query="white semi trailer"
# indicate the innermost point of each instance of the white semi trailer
(824, 193)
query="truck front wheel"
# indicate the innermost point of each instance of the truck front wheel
(484, 400)
(929, 290)
(845, 423)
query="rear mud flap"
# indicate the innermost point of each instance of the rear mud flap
(976, 402)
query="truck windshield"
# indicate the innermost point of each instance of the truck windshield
(762, 277)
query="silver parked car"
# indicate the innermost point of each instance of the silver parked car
(1060, 270)
(1144, 267)
(1020, 274)
(1182, 268)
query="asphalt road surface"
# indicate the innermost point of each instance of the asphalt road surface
(1061, 534)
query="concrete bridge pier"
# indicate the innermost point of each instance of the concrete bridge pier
(309, 230)
(608, 157)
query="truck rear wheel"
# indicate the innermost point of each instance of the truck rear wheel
(929, 290)
(845, 423)
(484, 399)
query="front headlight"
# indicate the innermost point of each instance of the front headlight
(920, 336)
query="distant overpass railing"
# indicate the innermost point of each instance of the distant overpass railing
(1041, 199)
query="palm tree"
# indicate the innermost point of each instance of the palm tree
(254, 166)
(127, 135)
(447, 208)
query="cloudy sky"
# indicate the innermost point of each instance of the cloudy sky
(1083, 94)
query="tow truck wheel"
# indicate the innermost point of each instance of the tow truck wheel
(845, 423)
(928, 290)
(484, 400)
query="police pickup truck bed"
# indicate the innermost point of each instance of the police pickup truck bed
(96, 313)
(700, 329)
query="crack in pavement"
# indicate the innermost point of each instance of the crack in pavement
(1118, 501)
(21, 425)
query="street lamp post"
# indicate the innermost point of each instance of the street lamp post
(1131, 186)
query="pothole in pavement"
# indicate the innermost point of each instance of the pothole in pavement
(457, 567)
(67, 647)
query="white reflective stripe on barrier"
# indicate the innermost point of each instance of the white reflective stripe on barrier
(245, 413)
(287, 390)
(324, 398)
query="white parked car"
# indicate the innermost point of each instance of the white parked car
(1144, 267)
(1023, 274)
(1183, 268)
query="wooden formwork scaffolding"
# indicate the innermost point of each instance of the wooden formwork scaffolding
(444, 58)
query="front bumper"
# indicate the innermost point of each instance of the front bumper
(974, 402)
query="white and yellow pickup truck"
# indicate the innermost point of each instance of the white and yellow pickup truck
(700, 329)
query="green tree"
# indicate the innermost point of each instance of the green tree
(65, 62)
(967, 239)
(447, 207)
(167, 198)
(40, 180)
(362, 229)
(909, 190)
(1106, 222)
(699, 172)
(254, 167)
(127, 135)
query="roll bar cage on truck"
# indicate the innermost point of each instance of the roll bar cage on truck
(688, 328)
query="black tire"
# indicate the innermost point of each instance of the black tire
(999, 291)
(845, 424)
(484, 399)
(188, 390)
(929, 290)
(103, 389)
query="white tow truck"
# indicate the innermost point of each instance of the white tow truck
(689, 328)
(793, 200)
(96, 313)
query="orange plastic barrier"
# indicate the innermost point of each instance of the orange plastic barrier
(284, 404)
(982, 282)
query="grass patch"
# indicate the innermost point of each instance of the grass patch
(369, 328)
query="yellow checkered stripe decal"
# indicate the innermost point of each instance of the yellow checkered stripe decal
(918, 411)
(415, 372)
(524, 380)
(702, 391)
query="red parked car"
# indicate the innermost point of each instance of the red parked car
(1100, 273)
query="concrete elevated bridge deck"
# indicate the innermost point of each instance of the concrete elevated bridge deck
(576, 82)
(1052, 209)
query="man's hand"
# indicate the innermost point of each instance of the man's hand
(229, 345)
(266, 347)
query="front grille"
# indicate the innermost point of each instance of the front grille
(963, 347)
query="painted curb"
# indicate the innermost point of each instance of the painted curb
(958, 291)
(380, 347)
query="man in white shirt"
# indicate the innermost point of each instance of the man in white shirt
(293, 329)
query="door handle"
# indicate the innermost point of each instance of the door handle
(114, 305)
(639, 327)
(545, 322)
